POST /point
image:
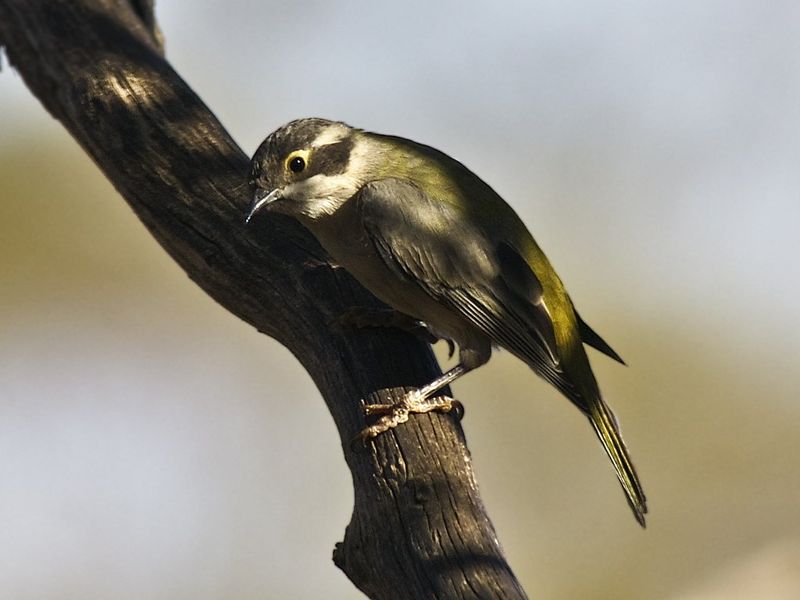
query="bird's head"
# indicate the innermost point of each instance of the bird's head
(307, 169)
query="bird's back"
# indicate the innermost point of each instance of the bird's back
(450, 181)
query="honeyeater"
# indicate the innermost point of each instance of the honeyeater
(433, 241)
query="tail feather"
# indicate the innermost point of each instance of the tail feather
(605, 425)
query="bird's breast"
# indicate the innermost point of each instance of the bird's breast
(345, 239)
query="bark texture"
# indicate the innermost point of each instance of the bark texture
(418, 529)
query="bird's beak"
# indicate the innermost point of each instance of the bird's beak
(262, 198)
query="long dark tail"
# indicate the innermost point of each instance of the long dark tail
(605, 425)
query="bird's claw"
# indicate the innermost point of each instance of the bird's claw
(392, 415)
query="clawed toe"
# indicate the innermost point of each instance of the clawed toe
(392, 415)
(438, 404)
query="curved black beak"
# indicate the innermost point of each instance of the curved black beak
(261, 199)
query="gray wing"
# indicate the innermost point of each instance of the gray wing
(434, 245)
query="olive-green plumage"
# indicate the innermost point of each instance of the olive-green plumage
(434, 241)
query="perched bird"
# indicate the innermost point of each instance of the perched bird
(433, 241)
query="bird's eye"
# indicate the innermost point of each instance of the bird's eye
(297, 164)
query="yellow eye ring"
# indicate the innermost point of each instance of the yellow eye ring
(297, 161)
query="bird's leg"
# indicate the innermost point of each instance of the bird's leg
(361, 317)
(416, 401)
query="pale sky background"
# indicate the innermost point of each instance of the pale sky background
(153, 446)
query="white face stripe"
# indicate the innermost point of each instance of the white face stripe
(330, 135)
(360, 156)
(321, 195)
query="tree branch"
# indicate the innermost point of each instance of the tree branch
(419, 529)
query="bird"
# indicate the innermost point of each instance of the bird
(433, 241)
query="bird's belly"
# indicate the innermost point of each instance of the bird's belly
(351, 248)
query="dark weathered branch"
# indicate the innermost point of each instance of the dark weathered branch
(418, 528)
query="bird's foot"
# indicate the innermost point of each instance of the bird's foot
(392, 415)
(362, 317)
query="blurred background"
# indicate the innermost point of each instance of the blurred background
(146, 446)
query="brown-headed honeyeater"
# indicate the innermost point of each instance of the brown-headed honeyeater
(433, 241)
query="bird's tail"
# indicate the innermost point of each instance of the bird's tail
(605, 425)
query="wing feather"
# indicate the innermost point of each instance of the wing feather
(430, 243)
